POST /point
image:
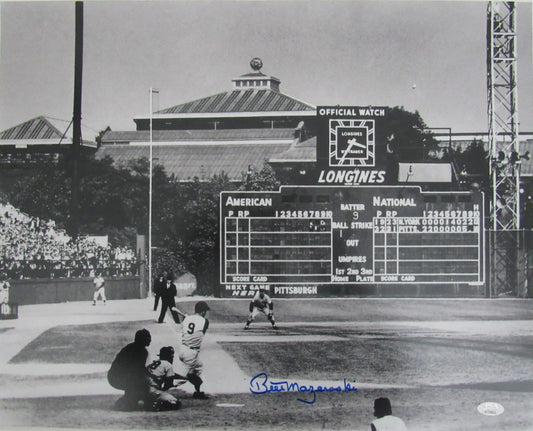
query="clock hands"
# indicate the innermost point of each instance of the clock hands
(351, 143)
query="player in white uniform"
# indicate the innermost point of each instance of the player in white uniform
(261, 303)
(385, 421)
(99, 288)
(194, 328)
(161, 377)
(4, 290)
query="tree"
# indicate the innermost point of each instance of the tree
(113, 200)
(260, 180)
(188, 227)
(186, 224)
(474, 159)
(473, 166)
(406, 135)
(45, 193)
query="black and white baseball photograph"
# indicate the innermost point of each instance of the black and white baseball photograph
(266, 215)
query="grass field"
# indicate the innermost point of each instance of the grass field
(79, 344)
(434, 379)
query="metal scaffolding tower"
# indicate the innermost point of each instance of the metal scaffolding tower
(503, 117)
(507, 257)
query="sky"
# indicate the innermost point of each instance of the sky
(427, 56)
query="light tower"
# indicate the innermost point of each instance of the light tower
(503, 116)
(505, 259)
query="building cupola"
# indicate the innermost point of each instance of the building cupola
(256, 79)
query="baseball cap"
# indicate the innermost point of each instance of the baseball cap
(201, 306)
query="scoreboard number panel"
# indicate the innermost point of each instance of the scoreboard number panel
(272, 249)
(335, 235)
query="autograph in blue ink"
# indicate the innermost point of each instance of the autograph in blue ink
(260, 384)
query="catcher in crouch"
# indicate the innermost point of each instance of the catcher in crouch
(261, 303)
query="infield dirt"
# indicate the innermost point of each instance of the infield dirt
(437, 360)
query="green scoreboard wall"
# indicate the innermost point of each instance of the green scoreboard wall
(323, 240)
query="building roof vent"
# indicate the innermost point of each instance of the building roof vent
(256, 79)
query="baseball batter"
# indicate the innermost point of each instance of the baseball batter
(261, 303)
(193, 330)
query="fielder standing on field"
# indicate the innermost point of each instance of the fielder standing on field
(193, 330)
(4, 290)
(99, 288)
(261, 303)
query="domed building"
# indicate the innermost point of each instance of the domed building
(248, 125)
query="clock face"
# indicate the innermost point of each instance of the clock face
(351, 142)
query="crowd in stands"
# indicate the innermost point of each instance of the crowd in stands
(34, 248)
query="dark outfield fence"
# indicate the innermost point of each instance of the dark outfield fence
(510, 263)
(46, 291)
(366, 291)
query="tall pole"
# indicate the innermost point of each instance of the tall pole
(152, 90)
(503, 115)
(503, 146)
(76, 121)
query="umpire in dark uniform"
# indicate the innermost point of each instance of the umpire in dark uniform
(128, 371)
(159, 285)
(168, 301)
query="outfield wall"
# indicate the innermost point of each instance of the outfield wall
(46, 291)
(367, 291)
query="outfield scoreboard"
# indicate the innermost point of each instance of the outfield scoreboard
(301, 238)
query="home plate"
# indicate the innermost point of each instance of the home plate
(229, 405)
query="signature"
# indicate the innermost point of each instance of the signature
(260, 384)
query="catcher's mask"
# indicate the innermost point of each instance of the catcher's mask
(166, 353)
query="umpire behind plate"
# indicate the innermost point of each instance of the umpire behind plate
(261, 303)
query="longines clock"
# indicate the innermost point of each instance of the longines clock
(351, 142)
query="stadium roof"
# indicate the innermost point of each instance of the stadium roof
(262, 100)
(252, 94)
(199, 153)
(299, 152)
(44, 131)
(285, 135)
(186, 161)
